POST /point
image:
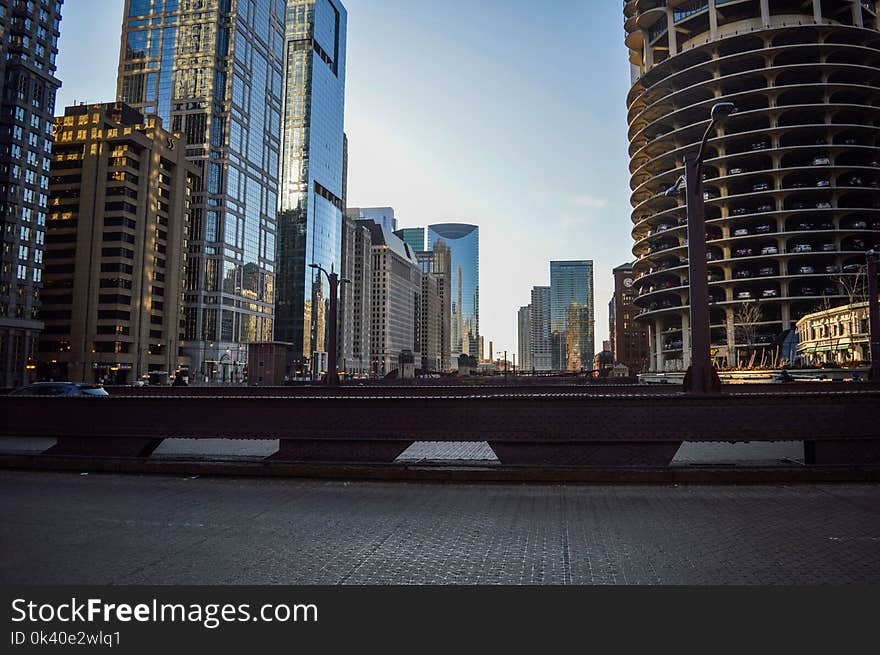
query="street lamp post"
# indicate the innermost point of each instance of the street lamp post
(701, 376)
(332, 319)
(874, 313)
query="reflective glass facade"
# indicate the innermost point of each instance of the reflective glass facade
(212, 69)
(572, 318)
(312, 171)
(29, 34)
(464, 245)
(414, 237)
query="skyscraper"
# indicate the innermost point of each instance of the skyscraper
(629, 339)
(790, 179)
(213, 72)
(29, 34)
(116, 248)
(355, 308)
(435, 311)
(572, 318)
(414, 237)
(539, 320)
(524, 337)
(464, 246)
(383, 216)
(312, 175)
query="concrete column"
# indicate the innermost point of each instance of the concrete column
(672, 34)
(649, 51)
(765, 12)
(658, 347)
(786, 316)
(686, 338)
(713, 20)
(857, 13)
(731, 336)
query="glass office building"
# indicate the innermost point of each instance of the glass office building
(312, 176)
(414, 237)
(572, 318)
(464, 245)
(29, 34)
(212, 69)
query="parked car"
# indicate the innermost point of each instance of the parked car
(833, 268)
(741, 232)
(828, 247)
(761, 186)
(710, 194)
(808, 291)
(766, 271)
(738, 170)
(744, 252)
(766, 228)
(806, 270)
(855, 180)
(821, 161)
(823, 183)
(739, 211)
(765, 207)
(800, 204)
(825, 225)
(852, 268)
(850, 141)
(823, 205)
(797, 185)
(802, 247)
(769, 250)
(60, 389)
(830, 291)
(856, 244)
(769, 293)
(759, 145)
(745, 295)
(805, 226)
(742, 273)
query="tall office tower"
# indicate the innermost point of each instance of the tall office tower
(212, 70)
(355, 298)
(464, 245)
(414, 237)
(344, 171)
(572, 317)
(115, 248)
(790, 179)
(396, 299)
(28, 44)
(524, 337)
(629, 339)
(542, 347)
(384, 216)
(436, 268)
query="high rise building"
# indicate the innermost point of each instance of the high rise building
(572, 317)
(524, 337)
(463, 242)
(629, 339)
(414, 237)
(790, 179)
(115, 248)
(355, 306)
(29, 34)
(213, 72)
(396, 299)
(312, 172)
(383, 216)
(542, 345)
(436, 307)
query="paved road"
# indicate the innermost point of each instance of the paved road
(109, 529)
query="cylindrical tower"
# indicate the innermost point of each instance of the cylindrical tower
(791, 180)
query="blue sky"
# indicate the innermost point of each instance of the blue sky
(509, 114)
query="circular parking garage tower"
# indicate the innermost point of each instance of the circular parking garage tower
(791, 180)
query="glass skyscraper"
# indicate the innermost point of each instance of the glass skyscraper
(414, 237)
(212, 69)
(464, 245)
(312, 162)
(29, 34)
(572, 318)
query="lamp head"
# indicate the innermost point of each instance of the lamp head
(722, 111)
(314, 266)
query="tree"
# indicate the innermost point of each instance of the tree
(747, 317)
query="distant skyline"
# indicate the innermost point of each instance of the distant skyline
(452, 118)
